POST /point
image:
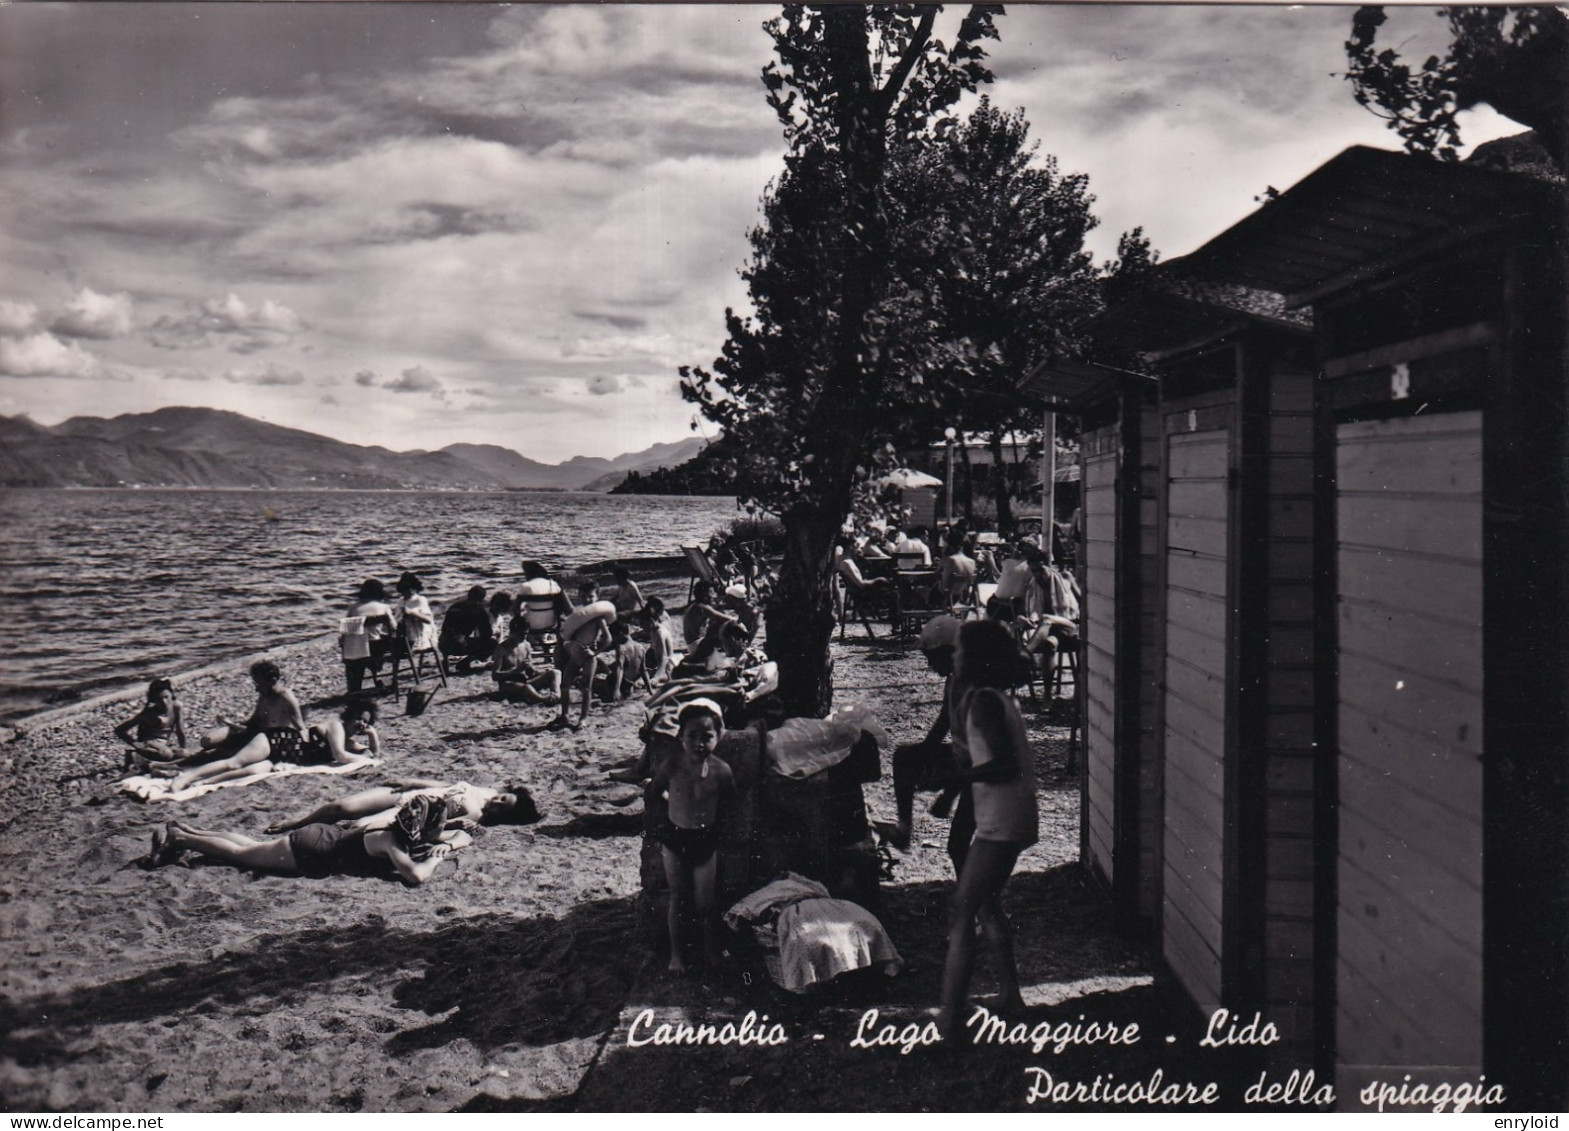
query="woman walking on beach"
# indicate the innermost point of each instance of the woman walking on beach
(988, 665)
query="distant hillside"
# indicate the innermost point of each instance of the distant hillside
(706, 473)
(200, 447)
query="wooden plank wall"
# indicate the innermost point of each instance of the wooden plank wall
(1409, 922)
(1196, 642)
(1101, 453)
(1151, 651)
(1289, 715)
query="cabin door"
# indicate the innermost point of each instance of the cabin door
(1198, 570)
(1409, 602)
(1102, 454)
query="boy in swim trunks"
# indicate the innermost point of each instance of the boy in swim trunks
(693, 783)
(577, 660)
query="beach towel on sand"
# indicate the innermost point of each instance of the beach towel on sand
(157, 789)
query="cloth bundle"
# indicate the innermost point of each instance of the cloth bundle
(809, 937)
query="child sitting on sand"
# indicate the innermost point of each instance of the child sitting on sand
(693, 785)
(518, 679)
(661, 641)
(627, 663)
(153, 726)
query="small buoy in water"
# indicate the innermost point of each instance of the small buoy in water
(269, 514)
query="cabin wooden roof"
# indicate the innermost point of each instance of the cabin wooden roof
(1360, 214)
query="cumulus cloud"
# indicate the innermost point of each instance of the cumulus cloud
(366, 379)
(328, 398)
(17, 317)
(416, 379)
(271, 375)
(602, 385)
(44, 355)
(92, 315)
(232, 323)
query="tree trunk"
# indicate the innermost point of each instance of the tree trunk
(800, 617)
(969, 484)
(1001, 486)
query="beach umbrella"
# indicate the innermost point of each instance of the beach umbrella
(906, 478)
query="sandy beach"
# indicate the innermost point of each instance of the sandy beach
(511, 979)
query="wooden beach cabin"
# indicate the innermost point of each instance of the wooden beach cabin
(1118, 578)
(1443, 674)
(1232, 698)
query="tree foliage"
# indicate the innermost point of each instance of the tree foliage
(1513, 59)
(990, 235)
(803, 384)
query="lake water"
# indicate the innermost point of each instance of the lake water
(105, 589)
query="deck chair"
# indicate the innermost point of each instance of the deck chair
(543, 613)
(702, 570)
(865, 604)
(405, 655)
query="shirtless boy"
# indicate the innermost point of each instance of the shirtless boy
(694, 784)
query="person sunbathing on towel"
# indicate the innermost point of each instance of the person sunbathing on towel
(275, 730)
(467, 805)
(415, 844)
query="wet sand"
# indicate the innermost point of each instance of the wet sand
(506, 982)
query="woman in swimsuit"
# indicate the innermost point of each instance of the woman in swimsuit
(153, 727)
(275, 730)
(415, 844)
(693, 784)
(1001, 777)
(466, 805)
(342, 741)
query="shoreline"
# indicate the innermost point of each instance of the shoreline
(661, 574)
(506, 983)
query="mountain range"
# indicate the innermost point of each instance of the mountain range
(203, 447)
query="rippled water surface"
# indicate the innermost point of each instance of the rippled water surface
(104, 588)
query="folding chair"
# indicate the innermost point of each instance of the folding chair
(702, 570)
(403, 655)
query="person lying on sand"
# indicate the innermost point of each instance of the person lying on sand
(415, 844)
(153, 727)
(376, 808)
(275, 730)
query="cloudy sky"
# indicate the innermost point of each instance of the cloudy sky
(415, 224)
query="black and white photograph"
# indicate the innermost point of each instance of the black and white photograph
(869, 558)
